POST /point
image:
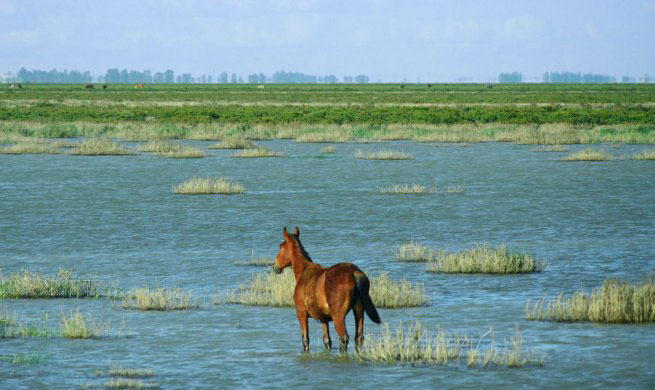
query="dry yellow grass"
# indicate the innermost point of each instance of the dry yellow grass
(484, 260)
(221, 186)
(159, 299)
(255, 153)
(29, 148)
(100, 147)
(589, 155)
(234, 143)
(413, 251)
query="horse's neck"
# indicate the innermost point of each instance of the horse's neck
(300, 264)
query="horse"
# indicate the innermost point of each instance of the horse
(326, 294)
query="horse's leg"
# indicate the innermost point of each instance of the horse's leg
(358, 311)
(326, 336)
(302, 317)
(340, 327)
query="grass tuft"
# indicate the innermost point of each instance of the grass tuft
(123, 383)
(328, 149)
(645, 155)
(21, 358)
(75, 326)
(485, 260)
(589, 154)
(33, 285)
(415, 345)
(32, 147)
(119, 371)
(269, 289)
(234, 143)
(257, 261)
(219, 185)
(551, 148)
(616, 302)
(100, 147)
(384, 154)
(159, 299)
(255, 153)
(413, 251)
(406, 189)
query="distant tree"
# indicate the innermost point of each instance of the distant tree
(169, 76)
(233, 78)
(361, 79)
(253, 78)
(262, 78)
(514, 77)
(347, 79)
(224, 78)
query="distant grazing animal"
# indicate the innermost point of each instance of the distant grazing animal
(104, 86)
(138, 86)
(326, 294)
(89, 86)
(489, 86)
(429, 85)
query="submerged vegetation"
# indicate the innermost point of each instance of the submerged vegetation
(415, 345)
(616, 302)
(269, 289)
(484, 260)
(33, 285)
(219, 185)
(159, 299)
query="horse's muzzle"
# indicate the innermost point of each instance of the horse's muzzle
(277, 270)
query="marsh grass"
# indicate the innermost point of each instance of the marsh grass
(328, 149)
(413, 251)
(127, 383)
(100, 147)
(11, 327)
(551, 148)
(645, 155)
(415, 345)
(406, 189)
(33, 285)
(256, 153)
(269, 289)
(616, 302)
(158, 146)
(257, 261)
(456, 190)
(221, 186)
(119, 371)
(75, 326)
(589, 154)
(21, 358)
(485, 260)
(30, 148)
(330, 137)
(183, 152)
(159, 299)
(234, 143)
(384, 154)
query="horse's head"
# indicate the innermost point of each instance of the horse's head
(285, 256)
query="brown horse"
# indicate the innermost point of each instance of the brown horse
(326, 294)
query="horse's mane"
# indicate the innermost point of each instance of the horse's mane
(302, 249)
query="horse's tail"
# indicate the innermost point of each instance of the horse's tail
(362, 287)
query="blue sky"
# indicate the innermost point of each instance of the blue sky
(388, 40)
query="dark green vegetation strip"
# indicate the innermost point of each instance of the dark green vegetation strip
(333, 115)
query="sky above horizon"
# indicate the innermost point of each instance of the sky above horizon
(439, 41)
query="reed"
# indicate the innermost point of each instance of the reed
(159, 299)
(551, 148)
(328, 149)
(645, 155)
(21, 358)
(384, 154)
(269, 289)
(158, 146)
(219, 185)
(615, 302)
(406, 189)
(127, 383)
(257, 261)
(589, 154)
(10, 327)
(413, 251)
(33, 285)
(100, 147)
(485, 260)
(75, 326)
(234, 143)
(29, 148)
(183, 152)
(255, 153)
(415, 345)
(119, 371)
(329, 137)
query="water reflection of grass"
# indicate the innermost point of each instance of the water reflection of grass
(269, 289)
(615, 302)
(415, 345)
(484, 260)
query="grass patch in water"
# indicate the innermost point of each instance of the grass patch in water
(33, 285)
(127, 383)
(645, 155)
(328, 149)
(413, 251)
(21, 358)
(159, 299)
(234, 143)
(589, 154)
(256, 153)
(384, 154)
(119, 371)
(485, 260)
(322, 138)
(171, 150)
(75, 326)
(158, 146)
(406, 189)
(100, 147)
(29, 148)
(221, 186)
(551, 148)
(616, 302)
(11, 328)
(269, 289)
(456, 190)
(257, 261)
(415, 345)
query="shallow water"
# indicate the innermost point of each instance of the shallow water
(116, 218)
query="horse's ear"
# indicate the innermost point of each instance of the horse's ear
(286, 234)
(296, 232)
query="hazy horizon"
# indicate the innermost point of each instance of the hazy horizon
(437, 41)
